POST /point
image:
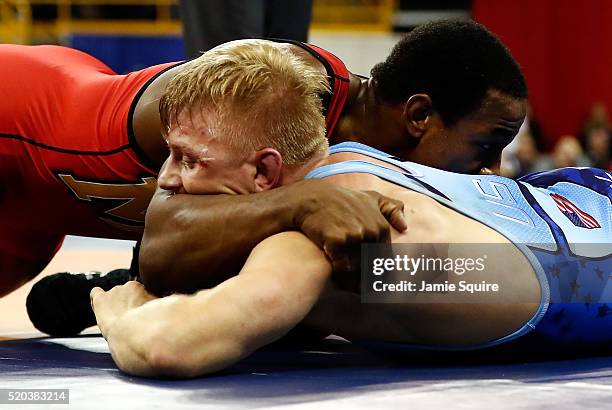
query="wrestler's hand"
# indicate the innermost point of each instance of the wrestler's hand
(339, 220)
(109, 306)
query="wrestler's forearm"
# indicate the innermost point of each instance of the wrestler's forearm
(191, 241)
(194, 242)
(191, 335)
(137, 340)
(173, 337)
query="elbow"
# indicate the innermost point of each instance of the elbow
(169, 360)
(161, 242)
(170, 249)
(161, 360)
(154, 360)
(161, 271)
(153, 268)
(156, 353)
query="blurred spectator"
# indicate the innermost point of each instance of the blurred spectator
(208, 23)
(520, 155)
(533, 126)
(523, 157)
(567, 153)
(594, 148)
(597, 118)
(597, 146)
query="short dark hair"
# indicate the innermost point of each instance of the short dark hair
(455, 62)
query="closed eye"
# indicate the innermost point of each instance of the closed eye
(486, 147)
(188, 164)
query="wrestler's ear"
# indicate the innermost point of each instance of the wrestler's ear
(416, 115)
(268, 165)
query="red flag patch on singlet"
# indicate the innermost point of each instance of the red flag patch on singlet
(577, 216)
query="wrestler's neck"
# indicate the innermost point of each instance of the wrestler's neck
(292, 174)
(368, 119)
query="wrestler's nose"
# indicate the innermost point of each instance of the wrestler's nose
(495, 167)
(492, 169)
(170, 178)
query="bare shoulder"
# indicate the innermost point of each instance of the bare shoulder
(361, 182)
(288, 245)
(369, 182)
(428, 220)
(289, 249)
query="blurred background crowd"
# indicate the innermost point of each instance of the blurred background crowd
(560, 44)
(533, 151)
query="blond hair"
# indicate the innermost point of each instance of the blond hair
(261, 96)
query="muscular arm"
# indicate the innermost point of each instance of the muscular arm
(191, 335)
(192, 242)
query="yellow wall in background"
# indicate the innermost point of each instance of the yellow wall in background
(17, 25)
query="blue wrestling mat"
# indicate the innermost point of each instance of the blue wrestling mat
(330, 375)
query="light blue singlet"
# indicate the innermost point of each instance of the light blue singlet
(561, 220)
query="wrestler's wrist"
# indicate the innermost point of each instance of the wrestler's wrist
(305, 200)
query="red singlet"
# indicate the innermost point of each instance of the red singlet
(69, 164)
